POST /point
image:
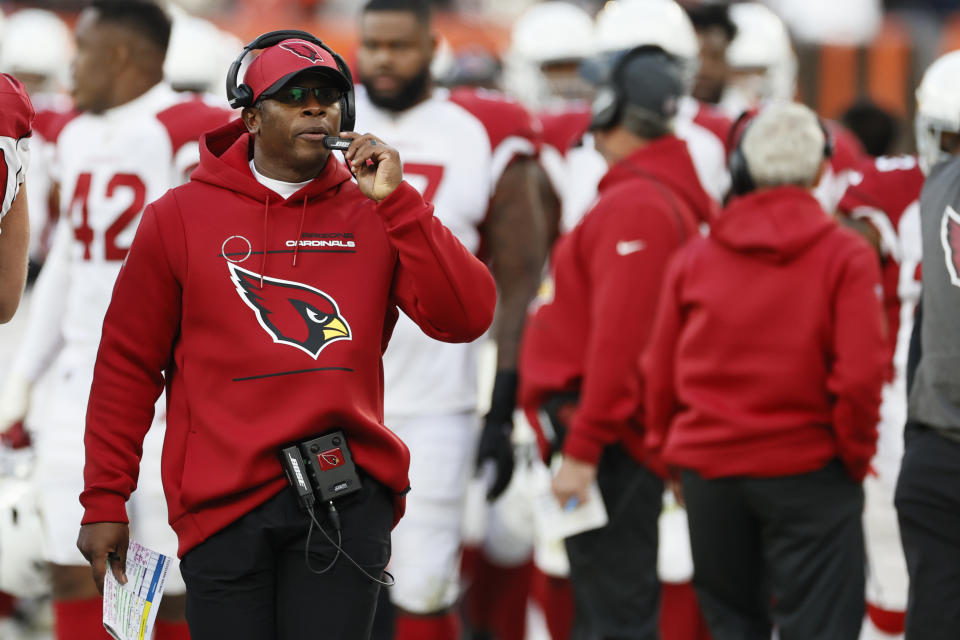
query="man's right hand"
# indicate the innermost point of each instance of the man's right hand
(103, 542)
(14, 400)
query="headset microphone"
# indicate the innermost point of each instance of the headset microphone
(336, 144)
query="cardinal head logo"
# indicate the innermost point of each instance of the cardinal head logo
(303, 49)
(330, 459)
(950, 238)
(292, 313)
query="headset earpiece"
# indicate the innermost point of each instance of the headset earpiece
(241, 95)
(741, 181)
(238, 96)
(612, 104)
(348, 103)
(827, 139)
(608, 104)
(605, 110)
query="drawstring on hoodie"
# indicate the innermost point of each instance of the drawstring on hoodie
(263, 260)
(296, 247)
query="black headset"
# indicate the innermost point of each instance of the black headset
(741, 181)
(241, 95)
(611, 98)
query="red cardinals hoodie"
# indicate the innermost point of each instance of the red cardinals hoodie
(767, 355)
(595, 314)
(266, 320)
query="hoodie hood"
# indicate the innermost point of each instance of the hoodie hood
(776, 224)
(666, 160)
(224, 162)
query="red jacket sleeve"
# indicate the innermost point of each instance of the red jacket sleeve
(136, 346)
(658, 363)
(859, 362)
(439, 284)
(625, 262)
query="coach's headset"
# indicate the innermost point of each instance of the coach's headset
(611, 101)
(241, 95)
(741, 182)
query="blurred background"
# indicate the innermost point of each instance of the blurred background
(850, 53)
(856, 62)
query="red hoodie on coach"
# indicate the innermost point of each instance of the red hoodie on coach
(594, 318)
(268, 318)
(768, 352)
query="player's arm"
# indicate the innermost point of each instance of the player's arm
(136, 346)
(14, 244)
(516, 234)
(623, 301)
(43, 338)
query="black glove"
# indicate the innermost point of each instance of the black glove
(495, 445)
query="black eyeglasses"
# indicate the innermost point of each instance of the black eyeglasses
(299, 95)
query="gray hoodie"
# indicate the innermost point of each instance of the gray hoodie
(934, 397)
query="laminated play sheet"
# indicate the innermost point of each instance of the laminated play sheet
(129, 610)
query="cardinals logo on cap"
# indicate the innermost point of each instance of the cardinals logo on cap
(291, 313)
(304, 50)
(950, 238)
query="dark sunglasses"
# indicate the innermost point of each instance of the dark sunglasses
(300, 95)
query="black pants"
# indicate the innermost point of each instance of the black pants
(613, 570)
(794, 543)
(250, 581)
(928, 508)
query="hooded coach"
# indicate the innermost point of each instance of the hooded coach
(261, 296)
(763, 376)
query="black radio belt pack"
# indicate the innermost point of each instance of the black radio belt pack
(321, 468)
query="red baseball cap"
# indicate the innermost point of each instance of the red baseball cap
(277, 65)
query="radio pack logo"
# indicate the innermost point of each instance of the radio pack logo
(330, 459)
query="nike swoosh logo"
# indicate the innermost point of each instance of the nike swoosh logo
(626, 247)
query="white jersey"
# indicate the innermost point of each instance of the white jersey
(53, 111)
(454, 147)
(705, 138)
(108, 166)
(585, 168)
